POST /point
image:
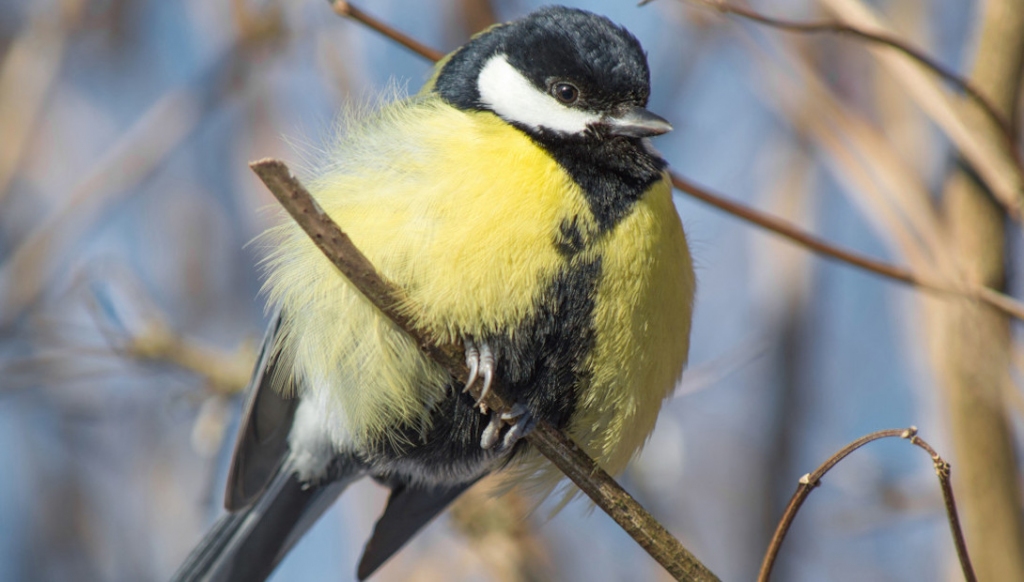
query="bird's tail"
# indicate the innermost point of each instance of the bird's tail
(248, 544)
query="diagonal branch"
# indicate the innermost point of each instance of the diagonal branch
(993, 298)
(346, 9)
(552, 443)
(996, 160)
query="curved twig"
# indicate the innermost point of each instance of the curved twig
(942, 470)
(812, 480)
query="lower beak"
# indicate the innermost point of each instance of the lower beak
(637, 122)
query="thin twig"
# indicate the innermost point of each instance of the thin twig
(942, 470)
(804, 487)
(347, 10)
(891, 41)
(999, 301)
(790, 231)
(550, 442)
(812, 480)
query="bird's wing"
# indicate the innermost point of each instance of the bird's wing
(246, 545)
(262, 442)
(410, 507)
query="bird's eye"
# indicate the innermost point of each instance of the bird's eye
(565, 92)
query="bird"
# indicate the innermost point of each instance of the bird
(518, 203)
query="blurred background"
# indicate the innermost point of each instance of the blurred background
(130, 306)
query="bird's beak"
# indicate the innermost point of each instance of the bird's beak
(637, 122)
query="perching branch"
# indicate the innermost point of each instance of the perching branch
(552, 443)
(812, 480)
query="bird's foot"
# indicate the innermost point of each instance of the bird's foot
(480, 361)
(520, 422)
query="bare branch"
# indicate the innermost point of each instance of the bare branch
(979, 143)
(1000, 301)
(347, 10)
(552, 443)
(942, 470)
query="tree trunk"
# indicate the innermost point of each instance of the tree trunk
(971, 343)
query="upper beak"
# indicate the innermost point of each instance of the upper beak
(637, 122)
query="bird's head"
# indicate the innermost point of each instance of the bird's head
(558, 73)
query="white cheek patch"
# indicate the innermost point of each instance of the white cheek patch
(512, 96)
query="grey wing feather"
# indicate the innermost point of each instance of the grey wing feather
(247, 545)
(262, 442)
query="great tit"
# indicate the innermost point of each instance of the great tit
(518, 203)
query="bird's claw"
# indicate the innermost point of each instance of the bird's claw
(480, 361)
(521, 422)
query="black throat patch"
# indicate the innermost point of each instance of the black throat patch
(614, 172)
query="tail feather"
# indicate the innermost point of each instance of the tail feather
(247, 545)
(409, 508)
